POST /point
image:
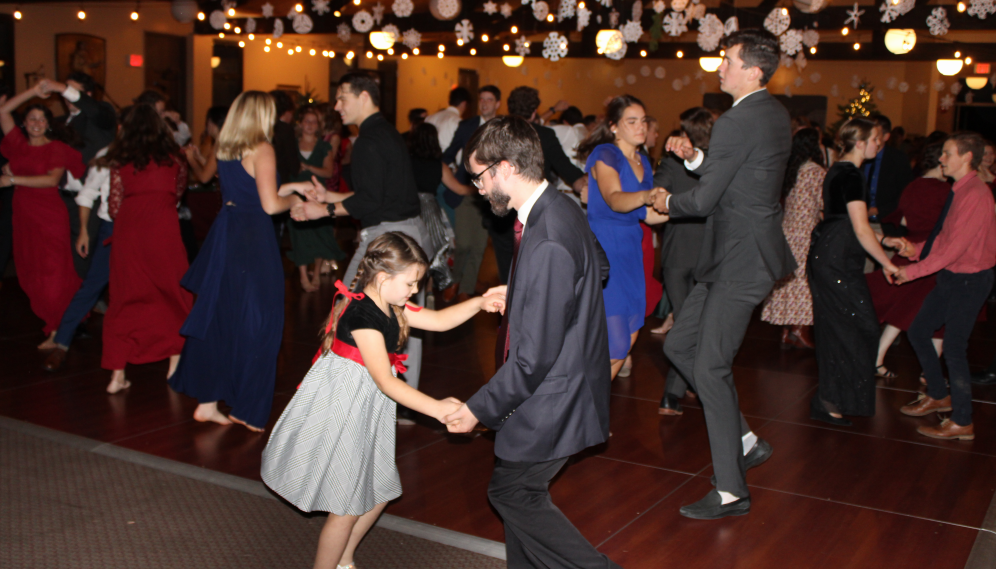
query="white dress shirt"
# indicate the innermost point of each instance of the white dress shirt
(97, 185)
(446, 122)
(527, 206)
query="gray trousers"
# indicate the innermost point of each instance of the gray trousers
(471, 240)
(678, 282)
(706, 337)
(416, 229)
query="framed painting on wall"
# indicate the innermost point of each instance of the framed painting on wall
(81, 52)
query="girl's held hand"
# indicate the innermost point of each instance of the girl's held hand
(494, 299)
(446, 407)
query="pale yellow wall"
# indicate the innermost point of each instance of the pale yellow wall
(34, 38)
(199, 90)
(263, 71)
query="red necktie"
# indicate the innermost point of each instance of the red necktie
(501, 346)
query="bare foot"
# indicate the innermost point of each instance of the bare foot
(49, 343)
(174, 361)
(208, 412)
(118, 381)
(244, 424)
(307, 286)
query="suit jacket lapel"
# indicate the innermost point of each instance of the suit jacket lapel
(547, 197)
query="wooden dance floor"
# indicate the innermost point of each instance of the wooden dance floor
(870, 496)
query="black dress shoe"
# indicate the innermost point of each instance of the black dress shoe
(984, 378)
(670, 405)
(712, 508)
(756, 457)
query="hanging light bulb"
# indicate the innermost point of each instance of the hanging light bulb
(857, 46)
(280, 44)
(312, 52)
(350, 55)
(968, 61)
(390, 51)
(81, 14)
(134, 16)
(231, 12)
(442, 47)
(680, 54)
(512, 60)
(221, 35)
(643, 53)
(337, 13)
(298, 49)
(290, 51)
(961, 6)
(414, 51)
(505, 47)
(404, 56)
(439, 55)
(238, 30)
(331, 53)
(266, 48)
(957, 55)
(710, 64)
(812, 50)
(845, 31)
(325, 53)
(228, 26)
(252, 37)
(515, 29)
(459, 41)
(370, 55)
(484, 38)
(549, 17)
(17, 14)
(298, 8)
(268, 41)
(473, 51)
(242, 44)
(200, 16)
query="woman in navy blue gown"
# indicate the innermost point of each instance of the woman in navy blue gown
(620, 189)
(234, 330)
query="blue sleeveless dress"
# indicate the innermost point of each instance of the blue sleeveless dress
(235, 328)
(625, 293)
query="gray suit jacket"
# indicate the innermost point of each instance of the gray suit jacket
(551, 398)
(682, 241)
(739, 191)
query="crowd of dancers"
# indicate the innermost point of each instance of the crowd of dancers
(847, 240)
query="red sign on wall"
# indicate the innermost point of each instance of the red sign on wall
(135, 60)
(981, 68)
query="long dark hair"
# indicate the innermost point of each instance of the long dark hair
(423, 142)
(805, 148)
(144, 137)
(603, 132)
(55, 130)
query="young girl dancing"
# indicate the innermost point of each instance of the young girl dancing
(333, 448)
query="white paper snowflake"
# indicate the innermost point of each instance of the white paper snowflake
(541, 10)
(378, 12)
(637, 12)
(302, 23)
(835, 90)
(606, 3)
(343, 31)
(788, 91)
(363, 21)
(855, 81)
(891, 83)
(554, 46)
(903, 87)
(921, 89)
(631, 31)
(791, 42)
(411, 38)
(267, 10)
(981, 8)
(687, 80)
(506, 10)
(880, 94)
(228, 4)
(938, 86)
(619, 53)
(278, 28)
(631, 79)
(522, 46)
(660, 72)
(320, 7)
(490, 8)
(798, 82)
(731, 25)
(777, 21)
(955, 88)
(250, 26)
(584, 16)
(710, 32)
(614, 19)
(947, 101)
(393, 30)
(810, 38)
(699, 74)
(695, 12)
(800, 61)
(217, 20)
(660, 6)
(854, 16)
(938, 22)
(464, 30)
(786, 60)
(677, 84)
(905, 6)
(618, 82)
(679, 5)
(815, 78)
(674, 24)
(292, 13)
(645, 71)
(567, 9)
(447, 8)
(889, 11)
(402, 8)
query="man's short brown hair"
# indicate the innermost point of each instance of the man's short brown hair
(509, 138)
(970, 142)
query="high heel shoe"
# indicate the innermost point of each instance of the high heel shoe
(818, 412)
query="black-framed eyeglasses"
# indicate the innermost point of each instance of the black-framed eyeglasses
(476, 178)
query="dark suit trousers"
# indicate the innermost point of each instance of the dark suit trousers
(537, 534)
(706, 337)
(82, 264)
(6, 226)
(678, 283)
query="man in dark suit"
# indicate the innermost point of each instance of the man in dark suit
(887, 174)
(743, 254)
(550, 399)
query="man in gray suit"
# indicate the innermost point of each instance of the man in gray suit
(743, 254)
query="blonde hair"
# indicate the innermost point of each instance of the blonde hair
(392, 253)
(249, 122)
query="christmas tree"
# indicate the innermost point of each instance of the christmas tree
(860, 106)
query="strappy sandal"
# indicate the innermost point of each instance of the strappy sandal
(886, 373)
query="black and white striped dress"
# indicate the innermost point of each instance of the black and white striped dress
(333, 448)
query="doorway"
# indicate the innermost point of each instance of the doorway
(166, 68)
(468, 80)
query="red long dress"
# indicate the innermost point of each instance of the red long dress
(147, 304)
(42, 248)
(655, 290)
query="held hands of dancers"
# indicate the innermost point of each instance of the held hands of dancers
(494, 299)
(903, 247)
(681, 146)
(460, 421)
(660, 200)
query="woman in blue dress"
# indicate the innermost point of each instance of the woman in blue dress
(234, 330)
(620, 191)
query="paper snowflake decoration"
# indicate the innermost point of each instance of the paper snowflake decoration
(554, 46)
(217, 19)
(631, 31)
(541, 10)
(695, 12)
(855, 81)
(411, 38)
(777, 21)
(363, 21)
(619, 53)
(732, 25)
(921, 89)
(302, 23)
(506, 10)
(464, 30)
(889, 11)
(402, 8)
(903, 87)
(378, 12)
(687, 80)
(645, 71)
(677, 84)
(637, 12)
(606, 3)
(267, 10)
(613, 19)
(660, 72)
(567, 9)
(674, 24)
(619, 82)
(947, 101)
(343, 31)
(800, 61)
(631, 79)
(810, 38)
(490, 8)
(785, 60)
(659, 6)
(938, 86)
(679, 5)
(854, 16)
(891, 83)
(393, 30)
(710, 32)
(447, 8)
(834, 90)
(815, 78)
(228, 4)
(250, 26)
(798, 82)
(522, 46)
(981, 8)
(788, 91)
(292, 13)
(699, 74)
(278, 28)
(955, 88)
(938, 22)
(791, 42)
(905, 6)
(584, 16)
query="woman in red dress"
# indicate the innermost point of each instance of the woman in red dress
(42, 248)
(896, 306)
(148, 306)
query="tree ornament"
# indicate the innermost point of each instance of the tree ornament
(606, 3)
(938, 22)
(554, 46)
(677, 84)
(614, 19)
(363, 21)
(815, 78)
(378, 12)
(217, 19)
(777, 21)
(250, 26)
(660, 72)
(464, 30)
(402, 8)
(447, 8)
(637, 12)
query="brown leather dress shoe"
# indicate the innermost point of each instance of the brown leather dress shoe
(55, 360)
(925, 405)
(949, 430)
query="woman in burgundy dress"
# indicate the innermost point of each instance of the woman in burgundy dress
(42, 248)
(920, 205)
(148, 306)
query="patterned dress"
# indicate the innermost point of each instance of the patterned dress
(790, 303)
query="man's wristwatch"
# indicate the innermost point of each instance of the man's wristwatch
(331, 209)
